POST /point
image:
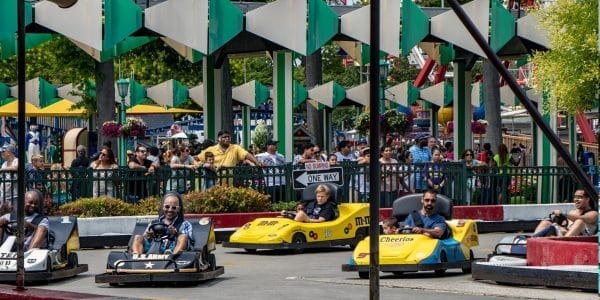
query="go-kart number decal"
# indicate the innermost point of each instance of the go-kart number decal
(348, 228)
(362, 221)
(204, 221)
(328, 233)
(313, 235)
(65, 219)
(267, 223)
(8, 255)
(394, 239)
(31, 260)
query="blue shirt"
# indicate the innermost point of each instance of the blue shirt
(430, 222)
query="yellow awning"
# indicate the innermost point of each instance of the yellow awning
(145, 109)
(62, 108)
(175, 110)
(12, 109)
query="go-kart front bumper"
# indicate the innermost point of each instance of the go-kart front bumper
(171, 277)
(409, 268)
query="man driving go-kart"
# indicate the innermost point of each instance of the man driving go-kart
(36, 224)
(171, 234)
(426, 221)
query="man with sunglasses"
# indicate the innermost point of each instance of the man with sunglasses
(426, 221)
(583, 220)
(179, 231)
(141, 167)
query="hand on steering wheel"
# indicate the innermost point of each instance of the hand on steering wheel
(11, 227)
(159, 231)
(406, 230)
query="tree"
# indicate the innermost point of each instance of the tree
(569, 72)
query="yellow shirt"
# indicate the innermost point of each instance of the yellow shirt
(227, 158)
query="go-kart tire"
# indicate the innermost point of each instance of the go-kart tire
(113, 284)
(443, 259)
(48, 264)
(467, 270)
(363, 275)
(212, 262)
(360, 235)
(399, 273)
(298, 239)
(72, 260)
(250, 250)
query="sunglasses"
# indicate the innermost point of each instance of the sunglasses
(578, 197)
(469, 154)
(170, 207)
(142, 151)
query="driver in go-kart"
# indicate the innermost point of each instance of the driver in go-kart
(178, 235)
(36, 224)
(320, 211)
(425, 221)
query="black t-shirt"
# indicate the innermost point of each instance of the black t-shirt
(325, 211)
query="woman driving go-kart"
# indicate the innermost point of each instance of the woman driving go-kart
(171, 234)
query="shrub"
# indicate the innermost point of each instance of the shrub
(148, 206)
(97, 207)
(287, 205)
(226, 199)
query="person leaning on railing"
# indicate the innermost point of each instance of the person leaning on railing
(8, 190)
(142, 167)
(181, 160)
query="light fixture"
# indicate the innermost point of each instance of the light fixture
(64, 3)
(123, 87)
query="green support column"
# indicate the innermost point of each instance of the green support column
(463, 137)
(213, 93)
(282, 102)
(246, 127)
(327, 133)
(547, 155)
(434, 120)
(572, 135)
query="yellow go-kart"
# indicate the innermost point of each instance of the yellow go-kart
(408, 252)
(348, 228)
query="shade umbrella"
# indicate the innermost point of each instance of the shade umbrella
(180, 135)
(12, 109)
(62, 108)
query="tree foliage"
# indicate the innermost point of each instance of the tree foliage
(569, 72)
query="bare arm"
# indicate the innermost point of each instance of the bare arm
(588, 218)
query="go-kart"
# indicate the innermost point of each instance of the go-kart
(58, 261)
(151, 267)
(283, 233)
(408, 252)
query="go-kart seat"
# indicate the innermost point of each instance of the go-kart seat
(308, 195)
(404, 206)
(201, 231)
(60, 231)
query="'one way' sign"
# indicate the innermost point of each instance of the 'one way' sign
(302, 178)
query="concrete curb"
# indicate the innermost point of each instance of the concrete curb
(115, 231)
(9, 292)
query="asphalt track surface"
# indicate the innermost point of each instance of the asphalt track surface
(315, 274)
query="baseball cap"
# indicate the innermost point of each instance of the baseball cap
(271, 142)
(362, 141)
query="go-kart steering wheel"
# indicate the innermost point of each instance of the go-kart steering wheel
(11, 227)
(406, 230)
(289, 215)
(160, 231)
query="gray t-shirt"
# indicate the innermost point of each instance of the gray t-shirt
(29, 235)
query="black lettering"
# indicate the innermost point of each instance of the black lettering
(359, 221)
